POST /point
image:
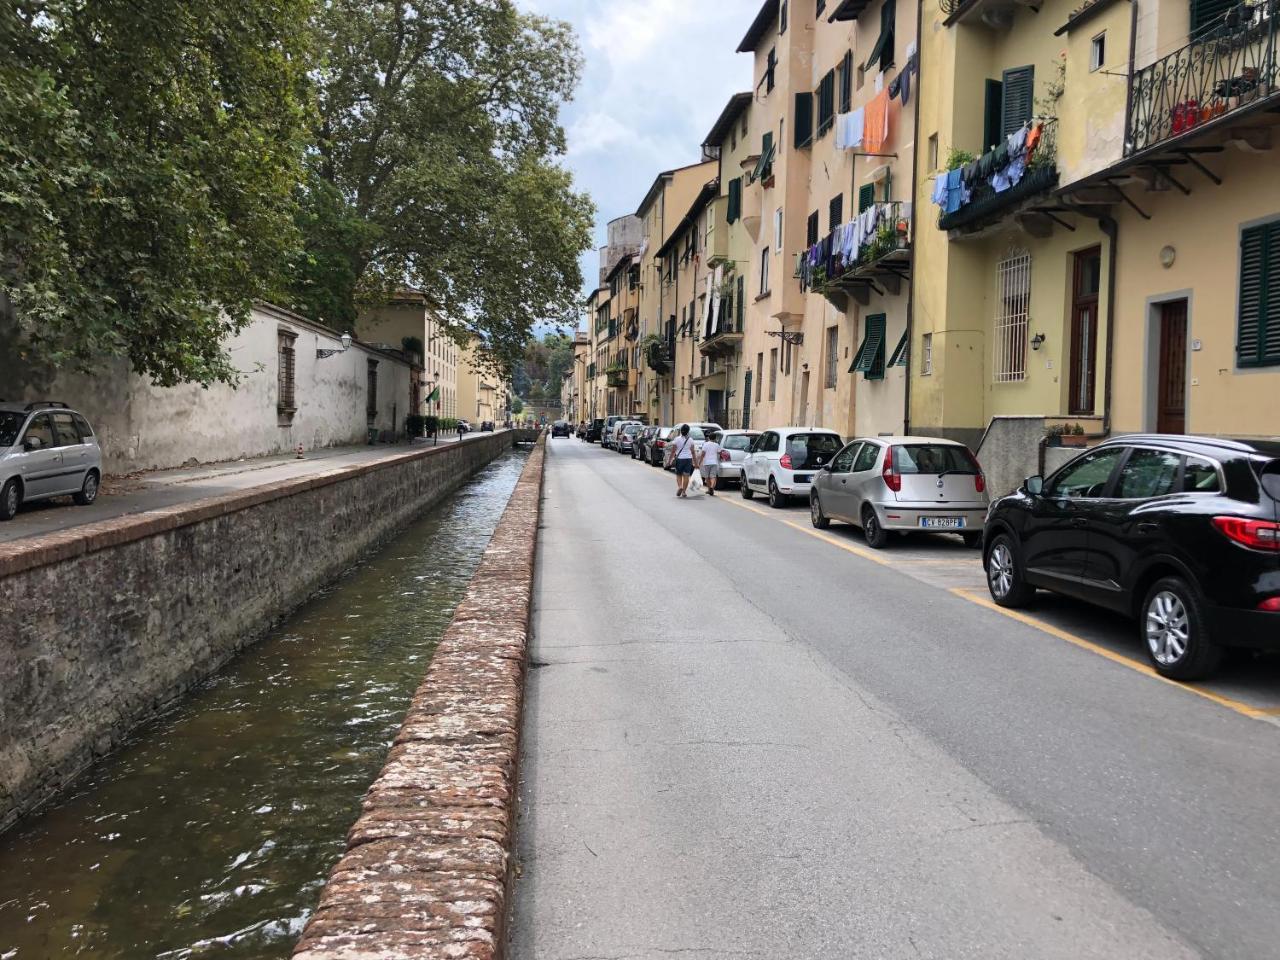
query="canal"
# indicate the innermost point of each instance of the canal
(211, 834)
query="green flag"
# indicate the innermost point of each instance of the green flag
(433, 396)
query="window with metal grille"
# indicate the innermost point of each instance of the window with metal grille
(926, 355)
(286, 401)
(833, 345)
(371, 407)
(1013, 302)
(1258, 332)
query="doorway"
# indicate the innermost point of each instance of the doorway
(1083, 377)
(1171, 389)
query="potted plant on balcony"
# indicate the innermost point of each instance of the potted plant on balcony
(655, 353)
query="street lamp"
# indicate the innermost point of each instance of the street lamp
(345, 340)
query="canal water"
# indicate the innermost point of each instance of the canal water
(211, 834)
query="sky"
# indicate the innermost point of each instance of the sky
(657, 75)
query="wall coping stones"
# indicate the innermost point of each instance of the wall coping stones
(27, 554)
(427, 872)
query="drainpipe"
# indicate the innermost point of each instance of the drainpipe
(1111, 230)
(915, 186)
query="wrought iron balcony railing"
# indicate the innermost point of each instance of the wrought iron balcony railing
(986, 204)
(833, 260)
(617, 377)
(1229, 66)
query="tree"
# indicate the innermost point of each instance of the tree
(149, 155)
(435, 167)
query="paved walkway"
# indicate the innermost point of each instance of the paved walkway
(164, 488)
(743, 740)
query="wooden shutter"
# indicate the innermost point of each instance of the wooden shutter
(846, 82)
(811, 231)
(826, 102)
(1258, 333)
(835, 211)
(735, 200)
(994, 104)
(782, 19)
(803, 120)
(741, 301)
(1018, 99)
(1206, 14)
(866, 196)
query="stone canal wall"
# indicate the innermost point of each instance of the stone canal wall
(426, 875)
(105, 624)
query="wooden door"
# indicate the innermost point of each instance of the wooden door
(746, 401)
(1171, 399)
(1084, 332)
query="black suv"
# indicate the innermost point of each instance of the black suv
(1182, 533)
(560, 428)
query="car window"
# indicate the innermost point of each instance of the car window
(768, 443)
(82, 425)
(932, 458)
(10, 424)
(737, 441)
(867, 457)
(41, 427)
(824, 444)
(843, 462)
(1086, 477)
(1201, 476)
(695, 433)
(1148, 473)
(65, 428)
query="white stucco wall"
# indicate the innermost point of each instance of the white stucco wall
(142, 426)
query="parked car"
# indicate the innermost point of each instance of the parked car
(782, 462)
(595, 431)
(657, 448)
(610, 422)
(902, 484)
(640, 449)
(560, 429)
(46, 450)
(465, 425)
(736, 444)
(626, 435)
(486, 427)
(1180, 532)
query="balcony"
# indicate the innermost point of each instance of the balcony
(1228, 70)
(992, 14)
(725, 336)
(992, 197)
(878, 254)
(659, 355)
(718, 236)
(618, 377)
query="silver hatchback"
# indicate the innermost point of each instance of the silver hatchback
(902, 484)
(46, 450)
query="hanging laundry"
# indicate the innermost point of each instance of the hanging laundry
(849, 128)
(957, 191)
(1033, 137)
(876, 125)
(895, 87)
(909, 69)
(940, 190)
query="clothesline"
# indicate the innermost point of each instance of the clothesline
(1002, 167)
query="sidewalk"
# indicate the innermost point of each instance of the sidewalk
(137, 493)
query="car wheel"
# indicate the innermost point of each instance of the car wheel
(776, 498)
(1175, 632)
(10, 499)
(816, 516)
(1004, 574)
(871, 529)
(747, 492)
(973, 540)
(88, 490)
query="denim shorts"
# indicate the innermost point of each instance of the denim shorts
(684, 467)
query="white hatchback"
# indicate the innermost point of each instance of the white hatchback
(783, 461)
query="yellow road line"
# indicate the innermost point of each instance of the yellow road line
(1255, 713)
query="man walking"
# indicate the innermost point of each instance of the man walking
(681, 453)
(711, 463)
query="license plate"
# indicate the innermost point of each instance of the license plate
(804, 478)
(943, 523)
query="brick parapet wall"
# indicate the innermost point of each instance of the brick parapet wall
(426, 875)
(111, 621)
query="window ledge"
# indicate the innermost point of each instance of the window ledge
(763, 296)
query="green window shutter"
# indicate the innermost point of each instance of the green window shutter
(1018, 98)
(735, 200)
(782, 19)
(866, 196)
(870, 357)
(899, 358)
(741, 300)
(994, 101)
(1206, 14)
(826, 103)
(1258, 333)
(764, 166)
(882, 52)
(846, 82)
(802, 124)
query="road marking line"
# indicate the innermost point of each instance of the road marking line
(1254, 713)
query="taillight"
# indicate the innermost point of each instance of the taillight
(785, 462)
(979, 483)
(724, 456)
(891, 478)
(1254, 534)
(1270, 605)
(661, 443)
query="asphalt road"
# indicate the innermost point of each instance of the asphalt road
(745, 739)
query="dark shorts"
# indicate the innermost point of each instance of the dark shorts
(684, 467)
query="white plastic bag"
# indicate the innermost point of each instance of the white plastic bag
(695, 483)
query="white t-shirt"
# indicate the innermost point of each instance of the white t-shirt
(684, 448)
(711, 454)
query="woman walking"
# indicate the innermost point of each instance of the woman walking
(682, 456)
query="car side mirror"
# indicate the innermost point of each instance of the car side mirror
(826, 467)
(32, 443)
(1035, 485)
